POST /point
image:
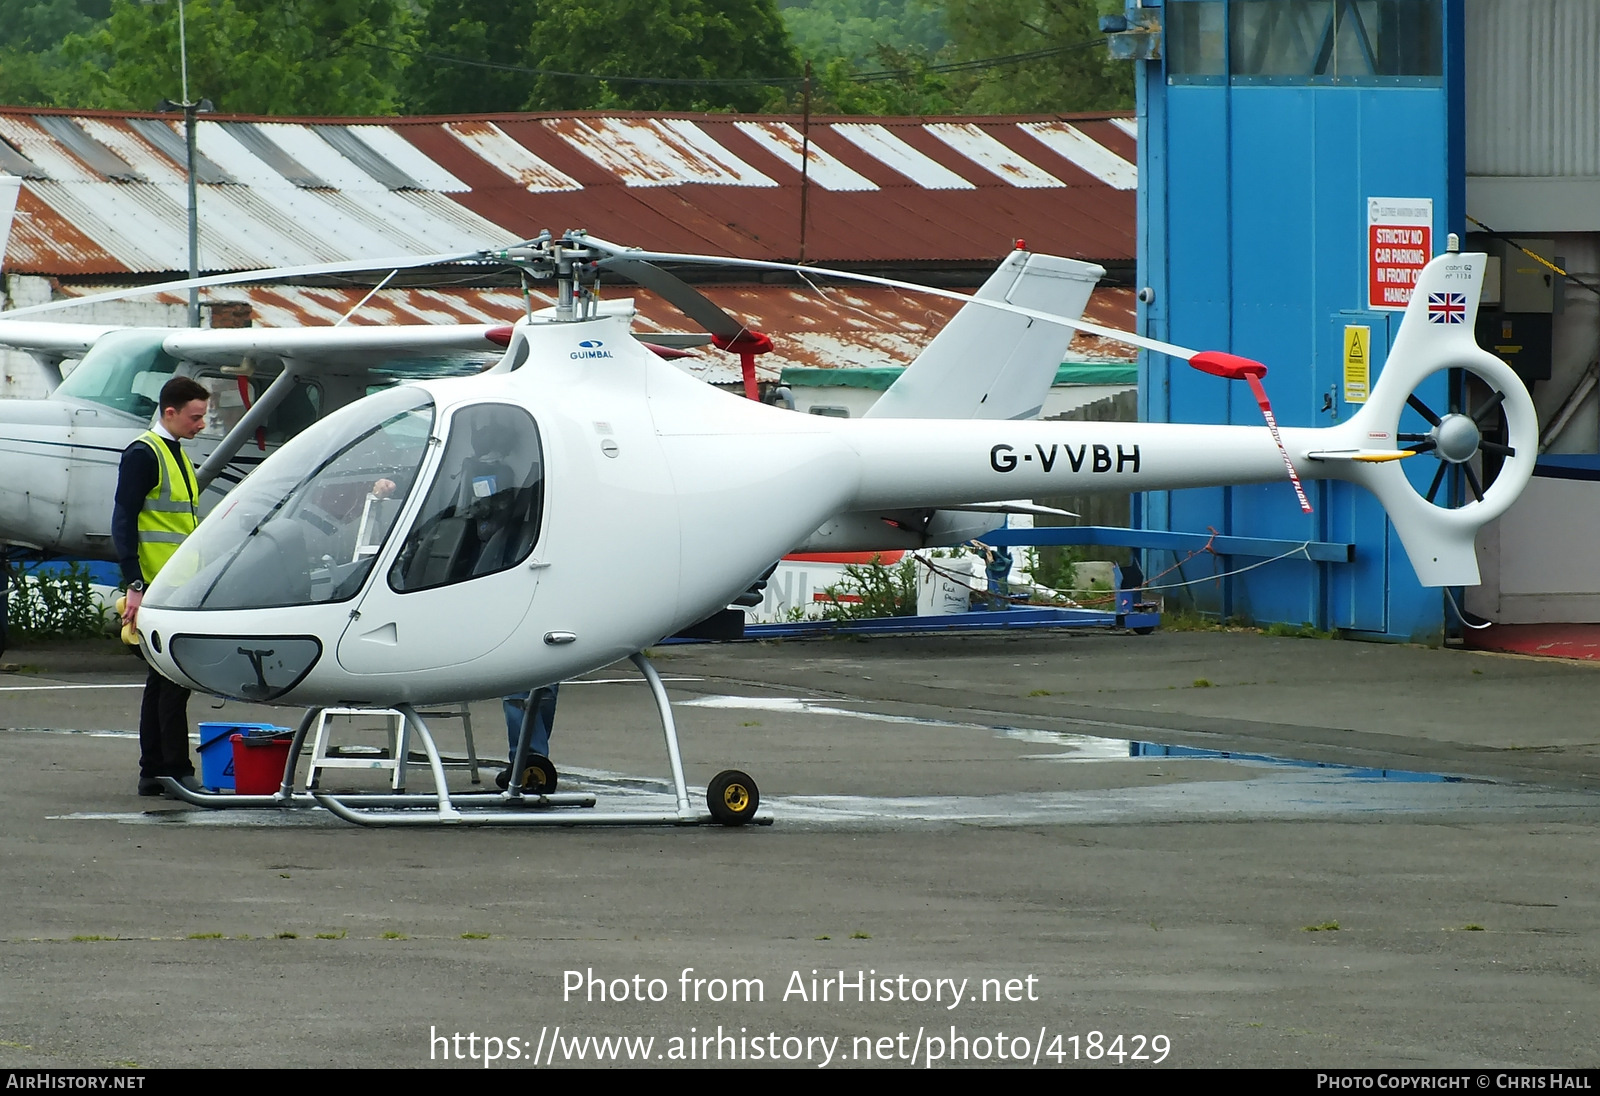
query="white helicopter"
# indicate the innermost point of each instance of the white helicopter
(61, 452)
(485, 569)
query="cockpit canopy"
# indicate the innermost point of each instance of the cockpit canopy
(309, 525)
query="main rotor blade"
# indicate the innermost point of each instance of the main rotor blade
(401, 262)
(1087, 328)
(678, 293)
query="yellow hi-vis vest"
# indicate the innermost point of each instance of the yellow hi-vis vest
(169, 513)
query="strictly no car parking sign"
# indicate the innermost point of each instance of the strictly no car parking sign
(1399, 245)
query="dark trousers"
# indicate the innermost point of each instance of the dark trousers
(164, 729)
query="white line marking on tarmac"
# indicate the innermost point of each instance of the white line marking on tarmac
(47, 688)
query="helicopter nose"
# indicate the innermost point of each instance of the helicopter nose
(256, 668)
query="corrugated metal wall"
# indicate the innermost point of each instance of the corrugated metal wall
(1533, 87)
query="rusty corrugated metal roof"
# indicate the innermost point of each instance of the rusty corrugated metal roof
(104, 193)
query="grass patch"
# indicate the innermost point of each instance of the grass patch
(331, 935)
(1471, 928)
(205, 936)
(91, 939)
(1041, 692)
(393, 936)
(474, 936)
(824, 936)
(1297, 631)
(861, 936)
(1201, 683)
(751, 723)
(288, 936)
(1326, 926)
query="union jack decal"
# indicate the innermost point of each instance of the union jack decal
(1447, 308)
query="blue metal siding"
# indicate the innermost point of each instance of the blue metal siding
(1262, 189)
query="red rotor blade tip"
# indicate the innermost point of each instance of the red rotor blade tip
(1231, 366)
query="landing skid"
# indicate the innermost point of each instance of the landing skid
(733, 798)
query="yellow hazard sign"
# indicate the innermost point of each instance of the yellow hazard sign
(1357, 363)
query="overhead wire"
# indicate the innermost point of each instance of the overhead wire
(975, 65)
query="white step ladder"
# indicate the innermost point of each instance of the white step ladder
(399, 743)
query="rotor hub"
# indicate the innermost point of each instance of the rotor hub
(1458, 438)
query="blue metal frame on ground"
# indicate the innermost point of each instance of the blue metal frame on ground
(1021, 616)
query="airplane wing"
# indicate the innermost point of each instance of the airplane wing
(58, 340)
(363, 347)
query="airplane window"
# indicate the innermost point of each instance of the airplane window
(482, 514)
(307, 525)
(232, 396)
(123, 370)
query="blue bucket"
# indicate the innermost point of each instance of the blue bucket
(216, 752)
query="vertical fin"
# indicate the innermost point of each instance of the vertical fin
(989, 364)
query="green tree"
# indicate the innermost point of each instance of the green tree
(288, 57)
(1081, 77)
(31, 31)
(672, 40)
(491, 31)
(856, 30)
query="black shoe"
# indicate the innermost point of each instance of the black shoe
(149, 785)
(502, 779)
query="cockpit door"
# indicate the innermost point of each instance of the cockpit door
(460, 581)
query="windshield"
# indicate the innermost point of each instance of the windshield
(306, 526)
(124, 370)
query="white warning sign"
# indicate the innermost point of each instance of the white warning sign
(1399, 245)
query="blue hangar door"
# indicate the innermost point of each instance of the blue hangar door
(1268, 128)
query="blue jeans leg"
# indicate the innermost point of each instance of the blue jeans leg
(544, 719)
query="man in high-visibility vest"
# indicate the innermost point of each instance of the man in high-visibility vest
(157, 506)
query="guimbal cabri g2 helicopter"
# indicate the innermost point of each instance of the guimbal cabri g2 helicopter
(484, 565)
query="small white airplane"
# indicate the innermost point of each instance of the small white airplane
(521, 492)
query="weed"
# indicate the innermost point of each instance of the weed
(1326, 926)
(824, 936)
(1041, 692)
(1201, 683)
(48, 599)
(288, 936)
(474, 936)
(331, 935)
(1295, 631)
(1470, 928)
(751, 723)
(90, 939)
(874, 590)
(860, 936)
(205, 936)
(394, 936)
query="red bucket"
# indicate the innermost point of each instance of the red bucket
(258, 763)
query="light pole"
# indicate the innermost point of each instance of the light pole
(190, 109)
